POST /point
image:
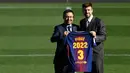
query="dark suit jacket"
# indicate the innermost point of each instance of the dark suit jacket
(58, 36)
(96, 25)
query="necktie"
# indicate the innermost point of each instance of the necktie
(69, 28)
(87, 23)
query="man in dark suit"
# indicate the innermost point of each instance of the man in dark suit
(96, 27)
(59, 34)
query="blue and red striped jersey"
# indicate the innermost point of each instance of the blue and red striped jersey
(79, 50)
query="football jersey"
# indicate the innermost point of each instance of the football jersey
(79, 50)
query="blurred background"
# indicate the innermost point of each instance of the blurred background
(27, 25)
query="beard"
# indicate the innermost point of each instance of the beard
(87, 15)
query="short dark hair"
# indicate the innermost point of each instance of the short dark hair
(84, 5)
(66, 11)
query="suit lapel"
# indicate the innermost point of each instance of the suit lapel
(74, 28)
(64, 27)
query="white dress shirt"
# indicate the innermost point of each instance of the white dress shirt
(89, 20)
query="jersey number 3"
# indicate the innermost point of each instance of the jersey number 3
(80, 54)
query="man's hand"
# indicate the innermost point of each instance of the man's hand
(93, 33)
(66, 33)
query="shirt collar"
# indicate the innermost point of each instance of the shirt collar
(69, 25)
(64, 24)
(90, 18)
